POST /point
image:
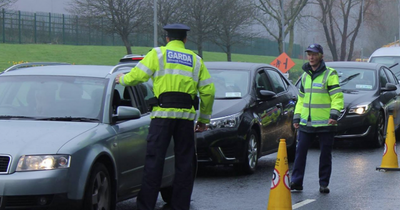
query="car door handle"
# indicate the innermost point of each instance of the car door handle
(279, 105)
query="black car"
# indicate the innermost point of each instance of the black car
(371, 93)
(253, 110)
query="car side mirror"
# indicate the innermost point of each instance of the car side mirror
(126, 113)
(389, 87)
(267, 94)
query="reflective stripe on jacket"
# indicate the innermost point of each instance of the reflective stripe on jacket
(175, 69)
(319, 100)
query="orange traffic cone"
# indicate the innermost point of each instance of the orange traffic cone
(279, 195)
(389, 160)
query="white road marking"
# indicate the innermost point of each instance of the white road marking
(303, 203)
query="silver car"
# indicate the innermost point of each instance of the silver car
(71, 138)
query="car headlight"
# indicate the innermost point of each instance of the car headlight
(360, 109)
(230, 121)
(43, 162)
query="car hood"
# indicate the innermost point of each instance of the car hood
(225, 107)
(352, 98)
(38, 137)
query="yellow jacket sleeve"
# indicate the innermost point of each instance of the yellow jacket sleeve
(207, 93)
(142, 72)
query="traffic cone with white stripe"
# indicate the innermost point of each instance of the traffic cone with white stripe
(279, 195)
(389, 159)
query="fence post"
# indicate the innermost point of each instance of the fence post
(63, 28)
(89, 31)
(4, 25)
(19, 27)
(50, 27)
(77, 34)
(34, 28)
(102, 29)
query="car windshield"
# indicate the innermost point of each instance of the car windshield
(357, 79)
(230, 83)
(388, 61)
(51, 97)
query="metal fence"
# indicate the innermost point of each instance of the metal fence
(20, 27)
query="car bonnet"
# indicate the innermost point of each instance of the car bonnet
(19, 137)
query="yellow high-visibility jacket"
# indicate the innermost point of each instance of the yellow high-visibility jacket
(320, 99)
(175, 69)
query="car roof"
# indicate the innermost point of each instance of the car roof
(235, 65)
(101, 71)
(386, 51)
(353, 64)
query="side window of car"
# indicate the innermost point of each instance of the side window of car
(144, 92)
(262, 82)
(391, 77)
(382, 78)
(277, 81)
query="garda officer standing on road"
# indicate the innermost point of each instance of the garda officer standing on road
(317, 110)
(178, 76)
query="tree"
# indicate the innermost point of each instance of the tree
(342, 17)
(6, 3)
(201, 17)
(271, 12)
(121, 16)
(234, 16)
(169, 11)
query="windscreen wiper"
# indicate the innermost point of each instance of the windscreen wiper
(393, 65)
(349, 78)
(79, 119)
(16, 117)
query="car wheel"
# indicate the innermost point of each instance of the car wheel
(251, 159)
(379, 136)
(98, 189)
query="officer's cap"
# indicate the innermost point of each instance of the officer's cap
(176, 26)
(315, 48)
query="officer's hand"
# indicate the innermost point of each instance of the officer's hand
(200, 127)
(117, 78)
(332, 122)
(296, 125)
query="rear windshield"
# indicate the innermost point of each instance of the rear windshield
(388, 61)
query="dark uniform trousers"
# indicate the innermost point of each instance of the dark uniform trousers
(160, 132)
(325, 159)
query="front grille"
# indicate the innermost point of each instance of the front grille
(4, 163)
(229, 151)
(28, 201)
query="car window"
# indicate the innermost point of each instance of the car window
(356, 78)
(144, 92)
(382, 78)
(392, 79)
(230, 83)
(51, 96)
(262, 82)
(388, 61)
(277, 81)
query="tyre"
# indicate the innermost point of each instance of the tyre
(250, 162)
(378, 139)
(98, 189)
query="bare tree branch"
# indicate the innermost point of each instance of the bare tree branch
(121, 16)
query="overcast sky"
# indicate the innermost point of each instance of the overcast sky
(53, 6)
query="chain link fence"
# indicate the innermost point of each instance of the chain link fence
(20, 27)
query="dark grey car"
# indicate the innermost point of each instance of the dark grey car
(72, 138)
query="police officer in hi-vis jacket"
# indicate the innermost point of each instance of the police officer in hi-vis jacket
(179, 77)
(320, 101)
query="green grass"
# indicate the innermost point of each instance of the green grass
(11, 54)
